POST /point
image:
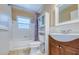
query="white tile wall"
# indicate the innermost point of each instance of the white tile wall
(73, 27)
(18, 36)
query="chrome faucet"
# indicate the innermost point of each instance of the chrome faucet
(66, 31)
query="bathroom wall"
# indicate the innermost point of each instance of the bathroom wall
(5, 34)
(74, 28)
(18, 11)
(7, 37)
(50, 9)
(22, 35)
(19, 35)
(4, 42)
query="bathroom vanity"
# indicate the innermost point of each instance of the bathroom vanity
(64, 35)
(63, 48)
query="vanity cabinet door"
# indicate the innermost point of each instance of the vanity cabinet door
(54, 50)
(70, 51)
(54, 47)
(61, 49)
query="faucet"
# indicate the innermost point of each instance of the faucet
(66, 31)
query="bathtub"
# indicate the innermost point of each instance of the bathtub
(18, 45)
(23, 44)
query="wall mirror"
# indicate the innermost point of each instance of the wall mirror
(66, 13)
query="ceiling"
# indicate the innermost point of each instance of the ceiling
(32, 7)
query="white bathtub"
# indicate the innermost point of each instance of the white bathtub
(23, 44)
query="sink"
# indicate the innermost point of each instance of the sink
(64, 37)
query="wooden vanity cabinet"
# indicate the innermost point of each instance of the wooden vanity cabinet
(70, 51)
(62, 48)
(54, 49)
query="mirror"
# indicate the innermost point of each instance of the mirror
(67, 12)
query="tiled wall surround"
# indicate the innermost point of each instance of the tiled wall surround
(8, 36)
(4, 42)
(18, 35)
(73, 27)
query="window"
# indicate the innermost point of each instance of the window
(23, 23)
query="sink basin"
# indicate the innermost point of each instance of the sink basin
(64, 37)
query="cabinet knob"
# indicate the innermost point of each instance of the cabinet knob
(58, 46)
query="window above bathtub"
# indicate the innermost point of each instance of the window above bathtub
(23, 22)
